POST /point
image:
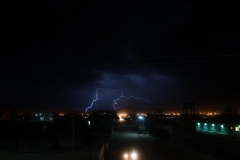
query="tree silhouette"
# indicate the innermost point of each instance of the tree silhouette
(159, 134)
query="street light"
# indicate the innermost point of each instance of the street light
(141, 117)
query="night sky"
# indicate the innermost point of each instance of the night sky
(56, 53)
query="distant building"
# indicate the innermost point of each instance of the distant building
(230, 111)
(228, 125)
(46, 116)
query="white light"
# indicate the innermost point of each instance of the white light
(125, 155)
(140, 117)
(36, 115)
(134, 155)
(88, 122)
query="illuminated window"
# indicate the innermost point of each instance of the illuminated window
(88, 122)
(41, 118)
(231, 127)
(36, 115)
(236, 128)
(50, 119)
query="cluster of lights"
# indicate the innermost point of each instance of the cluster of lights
(168, 114)
(61, 114)
(237, 128)
(141, 114)
(38, 114)
(133, 155)
(210, 113)
(121, 116)
(212, 124)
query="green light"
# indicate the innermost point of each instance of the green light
(213, 125)
(205, 124)
(222, 126)
(198, 123)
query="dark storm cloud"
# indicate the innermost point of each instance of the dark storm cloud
(135, 84)
(168, 51)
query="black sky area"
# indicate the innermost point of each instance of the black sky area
(56, 53)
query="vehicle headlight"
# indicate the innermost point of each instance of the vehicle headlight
(125, 155)
(134, 155)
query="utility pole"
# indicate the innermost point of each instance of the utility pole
(161, 118)
(73, 133)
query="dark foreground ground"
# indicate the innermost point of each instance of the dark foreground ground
(126, 135)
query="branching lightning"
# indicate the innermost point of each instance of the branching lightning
(114, 101)
(94, 100)
(122, 96)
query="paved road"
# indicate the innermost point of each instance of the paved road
(128, 137)
(148, 148)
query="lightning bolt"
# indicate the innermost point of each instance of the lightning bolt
(96, 97)
(122, 96)
(114, 101)
(94, 100)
